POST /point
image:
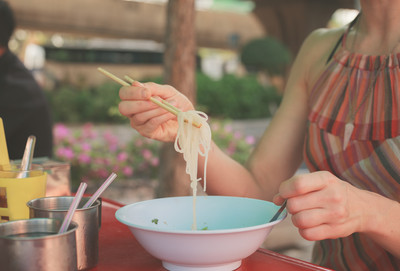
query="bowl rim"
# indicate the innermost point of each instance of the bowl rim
(281, 217)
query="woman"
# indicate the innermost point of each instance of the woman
(341, 114)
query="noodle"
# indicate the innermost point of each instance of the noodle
(191, 142)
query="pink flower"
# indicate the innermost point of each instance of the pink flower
(155, 161)
(146, 154)
(113, 147)
(86, 146)
(122, 156)
(251, 140)
(237, 135)
(66, 152)
(110, 138)
(138, 142)
(87, 131)
(128, 171)
(228, 128)
(60, 131)
(84, 158)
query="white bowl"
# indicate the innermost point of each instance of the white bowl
(229, 230)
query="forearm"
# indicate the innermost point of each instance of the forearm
(225, 176)
(382, 221)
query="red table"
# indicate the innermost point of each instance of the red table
(119, 251)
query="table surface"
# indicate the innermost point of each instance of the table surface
(119, 251)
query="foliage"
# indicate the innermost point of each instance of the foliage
(93, 155)
(234, 97)
(80, 104)
(231, 97)
(266, 54)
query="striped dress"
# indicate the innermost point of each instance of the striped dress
(367, 88)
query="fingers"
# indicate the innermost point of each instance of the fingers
(143, 91)
(149, 121)
(301, 185)
(320, 205)
(316, 216)
(305, 183)
(148, 118)
(129, 108)
(326, 231)
(134, 93)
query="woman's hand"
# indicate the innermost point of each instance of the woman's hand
(147, 118)
(323, 206)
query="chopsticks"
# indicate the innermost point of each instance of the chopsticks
(164, 104)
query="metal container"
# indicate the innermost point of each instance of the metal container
(88, 220)
(35, 245)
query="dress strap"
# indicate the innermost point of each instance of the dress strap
(342, 39)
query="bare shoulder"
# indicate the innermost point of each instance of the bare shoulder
(321, 42)
(315, 51)
(308, 66)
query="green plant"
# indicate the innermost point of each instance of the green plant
(231, 97)
(266, 54)
(80, 104)
(234, 97)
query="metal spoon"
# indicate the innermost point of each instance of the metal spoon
(27, 158)
(278, 213)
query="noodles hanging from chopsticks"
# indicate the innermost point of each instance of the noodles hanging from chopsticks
(193, 137)
(192, 141)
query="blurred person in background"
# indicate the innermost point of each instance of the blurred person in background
(23, 105)
(341, 115)
(34, 58)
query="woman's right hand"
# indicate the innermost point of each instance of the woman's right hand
(147, 118)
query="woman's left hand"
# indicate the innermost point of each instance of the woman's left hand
(322, 206)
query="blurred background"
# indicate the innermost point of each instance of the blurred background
(242, 53)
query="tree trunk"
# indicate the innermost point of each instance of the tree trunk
(179, 69)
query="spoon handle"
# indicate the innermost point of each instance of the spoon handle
(27, 158)
(277, 214)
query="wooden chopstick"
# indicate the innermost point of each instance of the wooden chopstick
(164, 104)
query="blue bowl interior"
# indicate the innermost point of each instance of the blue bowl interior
(212, 213)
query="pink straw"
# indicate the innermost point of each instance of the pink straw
(72, 208)
(100, 190)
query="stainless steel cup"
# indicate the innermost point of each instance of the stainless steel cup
(34, 244)
(88, 220)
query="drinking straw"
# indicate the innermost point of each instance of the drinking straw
(170, 108)
(72, 207)
(27, 158)
(100, 190)
(4, 159)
